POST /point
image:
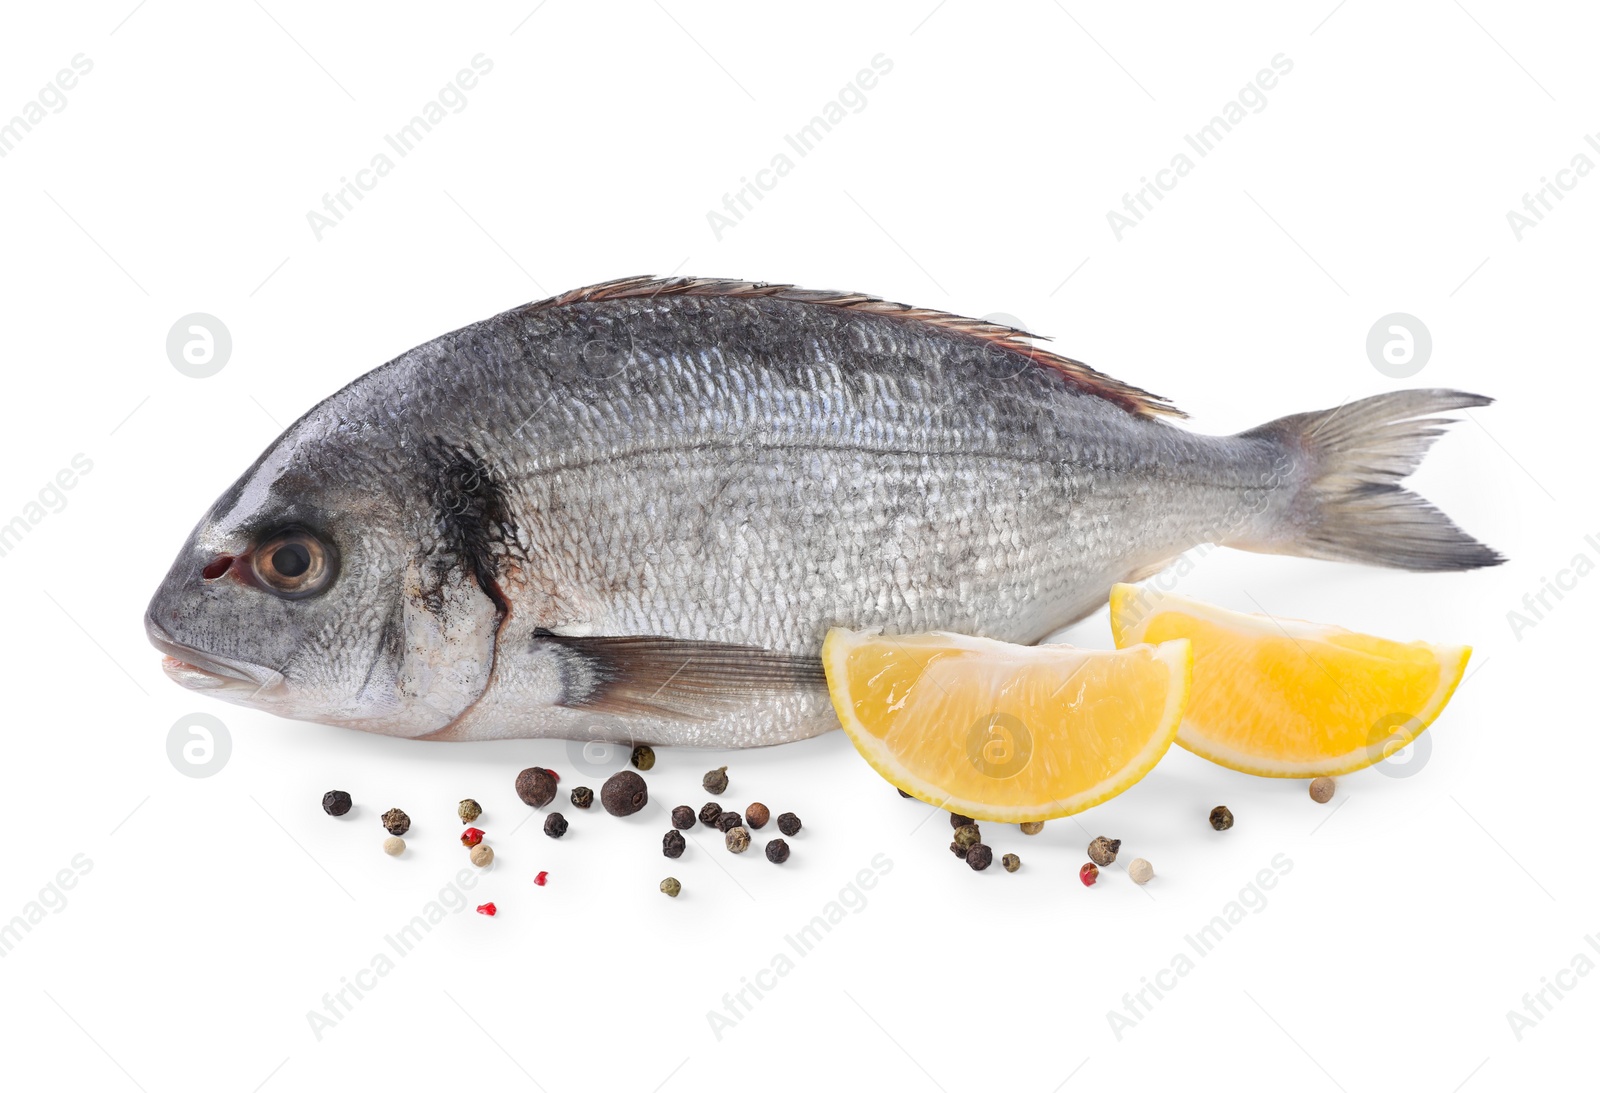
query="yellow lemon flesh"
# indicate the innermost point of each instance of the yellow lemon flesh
(1006, 733)
(1286, 698)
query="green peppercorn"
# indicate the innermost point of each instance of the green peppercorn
(757, 815)
(673, 843)
(469, 810)
(979, 857)
(737, 840)
(1221, 818)
(715, 781)
(967, 836)
(789, 824)
(777, 851)
(1103, 851)
(958, 820)
(683, 817)
(536, 787)
(1011, 863)
(709, 814)
(336, 802)
(1032, 827)
(396, 822)
(624, 793)
(728, 821)
(643, 757)
(555, 825)
(671, 887)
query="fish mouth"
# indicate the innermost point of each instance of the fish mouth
(201, 671)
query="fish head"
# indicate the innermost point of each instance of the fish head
(309, 591)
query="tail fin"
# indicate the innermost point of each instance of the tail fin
(1351, 507)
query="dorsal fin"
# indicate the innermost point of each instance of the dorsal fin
(1020, 342)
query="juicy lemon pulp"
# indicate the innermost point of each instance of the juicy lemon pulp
(1001, 732)
(1291, 699)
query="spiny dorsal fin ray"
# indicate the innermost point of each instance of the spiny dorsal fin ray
(1076, 373)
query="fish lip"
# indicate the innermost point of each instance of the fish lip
(199, 670)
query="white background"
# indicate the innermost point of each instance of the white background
(218, 911)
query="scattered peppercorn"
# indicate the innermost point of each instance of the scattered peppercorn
(1103, 851)
(643, 757)
(554, 777)
(715, 781)
(1221, 818)
(789, 824)
(488, 909)
(541, 877)
(582, 796)
(396, 822)
(394, 846)
(683, 817)
(336, 802)
(1140, 871)
(903, 793)
(967, 836)
(958, 820)
(979, 857)
(536, 787)
(777, 851)
(1011, 862)
(624, 793)
(471, 837)
(1032, 827)
(1321, 791)
(555, 825)
(737, 839)
(958, 850)
(728, 821)
(758, 815)
(673, 844)
(482, 855)
(709, 814)
(1089, 874)
(469, 810)
(671, 887)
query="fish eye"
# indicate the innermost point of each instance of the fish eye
(293, 563)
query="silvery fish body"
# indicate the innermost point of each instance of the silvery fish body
(633, 512)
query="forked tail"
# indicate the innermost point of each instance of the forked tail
(1350, 506)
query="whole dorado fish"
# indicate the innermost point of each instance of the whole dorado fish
(633, 511)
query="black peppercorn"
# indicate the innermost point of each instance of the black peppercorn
(683, 817)
(728, 821)
(396, 822)
(737, 839)
(1103, 851)
(777, 851)
(1221, 818)
(643, 757)
(715, 781)
(958, 820)
(709, 814)
(555, 825)
(789, 824)
(967, 836)
(582, 796)
(903, 793)
(958, 850)
(536, 787)
(757, 814)
(336, 802)
(624, 793)
(672, 844)
(979, 857)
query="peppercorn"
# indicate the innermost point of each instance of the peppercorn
(482, 855)
(789, 824)
(671, 887)
(958, 820)
(555, 825)
(336, 802)
(1321, 791)
(709, 814)
(967, 836)
(757, 814)
(469, 810)
(979, 857)
(394, 846)
(1089, 874)
(643, 757)
(683, 817)
(777, 851)
(536, 787)
(903, 793)
(1103, 851)
(715, 781)
(396, 822)
(1140, 871)
(1032, 827)
(1011, 862)
(737, 839)
(1221, 818)
(958, 850)
(673, 844)
(471, 837)
(582, 796)
(728, 821)
(541, 877)
(554, 777)
(488, 909)
(624, 793)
